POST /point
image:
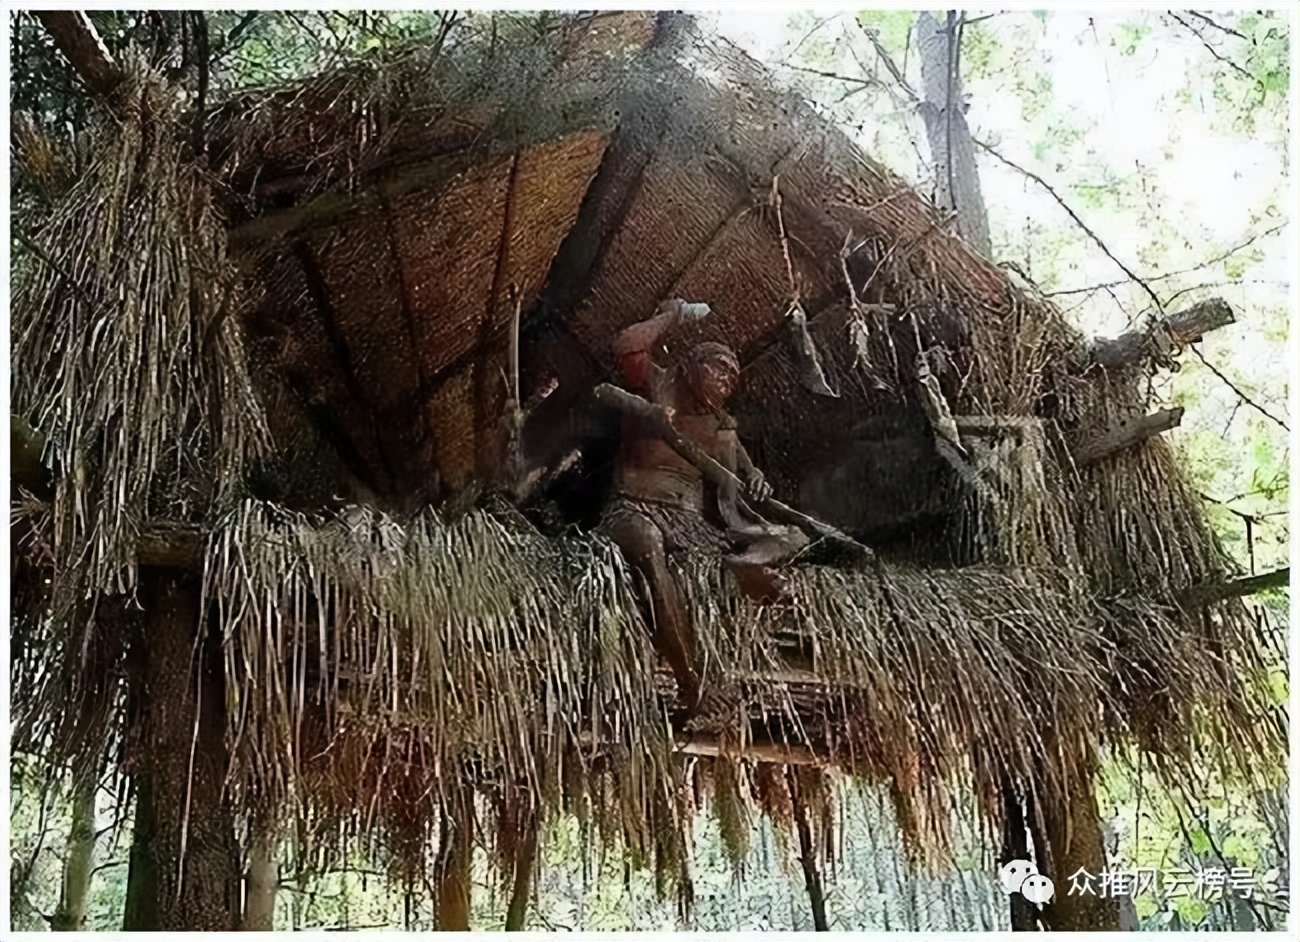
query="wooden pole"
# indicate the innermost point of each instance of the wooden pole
(262, 881)
(1211, 592)
(1015, 846)
(70, 916)
(1163, 338)
(188, 851)
(455, 856)
(1127, 435)
(1071, 830)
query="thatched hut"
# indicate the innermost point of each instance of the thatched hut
(279, 404)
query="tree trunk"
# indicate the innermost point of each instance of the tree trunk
(1071, 830)
(74, 897)
(262, 880)
(812, 878)
(951, 148)
(1015, 846)
(455, 856)
(184, 866)
(524, 863)
(141, 913)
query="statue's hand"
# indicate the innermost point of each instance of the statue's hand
(687, 310)
(757, 487)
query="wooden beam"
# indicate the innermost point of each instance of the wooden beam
(1211, 592)
(1164, 338)
(761, 751)
(170, 549)
(77, 39)
(1127, 435)
(336, 208)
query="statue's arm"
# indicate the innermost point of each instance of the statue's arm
(754, 480)
(632, 346)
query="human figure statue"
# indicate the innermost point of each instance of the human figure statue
(662, 504)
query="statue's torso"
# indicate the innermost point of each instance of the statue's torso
(649, 468)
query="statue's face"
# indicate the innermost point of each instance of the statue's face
(713, 380)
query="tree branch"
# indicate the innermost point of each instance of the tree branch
(76, 38)
(874, 38)
(1240, 395)
(1182, 271)
(1075, 216)
(1214, 52)
(830, 75)
(1162, 339)
(1205, 19)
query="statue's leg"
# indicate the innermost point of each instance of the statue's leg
(752, 565)
(643, 546)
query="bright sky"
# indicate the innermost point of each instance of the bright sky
(1208, 182)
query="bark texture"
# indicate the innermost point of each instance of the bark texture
(185, 872)
(957, 185)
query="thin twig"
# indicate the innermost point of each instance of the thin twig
(785, 242)
(888, 61)
(1241, 395)
(830, 75)
(808, 35)
(1075, 216)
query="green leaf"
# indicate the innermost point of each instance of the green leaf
(1200, 841)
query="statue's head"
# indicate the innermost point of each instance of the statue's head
(712, 372)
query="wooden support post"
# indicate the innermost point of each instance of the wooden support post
(452, 875)
(1071, 829)
(263, 878)
(1127, 435)
(1015, 846)
(807, 853)
(70, 916)
(525, 861)
(1163, 338)
(184, 848)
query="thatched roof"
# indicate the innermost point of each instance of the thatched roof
(384, 222)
